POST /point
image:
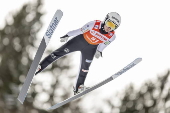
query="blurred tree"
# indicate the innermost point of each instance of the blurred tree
(152, 97)
(17, 45)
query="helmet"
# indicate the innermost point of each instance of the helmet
(114, 18)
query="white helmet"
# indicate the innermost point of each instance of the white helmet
(113, 17)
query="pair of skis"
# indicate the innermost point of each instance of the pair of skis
(39, 54)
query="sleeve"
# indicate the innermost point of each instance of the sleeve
(81, 30)
(102, 46)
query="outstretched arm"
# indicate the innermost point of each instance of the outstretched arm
(79, 31)
(102, 46)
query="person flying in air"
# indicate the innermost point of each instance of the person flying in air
(90, 40)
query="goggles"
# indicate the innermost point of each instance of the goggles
(111, 25)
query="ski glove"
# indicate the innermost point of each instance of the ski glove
(98, 54)
(64, 38)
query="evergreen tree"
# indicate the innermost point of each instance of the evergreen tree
(152, 97)
(17, 44)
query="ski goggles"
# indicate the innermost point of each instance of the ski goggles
(111, 25)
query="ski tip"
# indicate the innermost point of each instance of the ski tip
(50, 109)
(54, 107)
(137, 60)
(20, 101)
(59, 11)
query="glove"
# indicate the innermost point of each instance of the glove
(64, 38)
(98, 54)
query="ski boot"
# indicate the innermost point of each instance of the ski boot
(38, 69)
(81, 88)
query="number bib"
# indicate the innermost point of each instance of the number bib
(94, 36)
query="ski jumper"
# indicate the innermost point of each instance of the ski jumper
(87, 40)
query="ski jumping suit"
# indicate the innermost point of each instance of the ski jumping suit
(87, 40)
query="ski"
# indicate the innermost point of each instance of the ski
(46, 38)
(129, 66)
